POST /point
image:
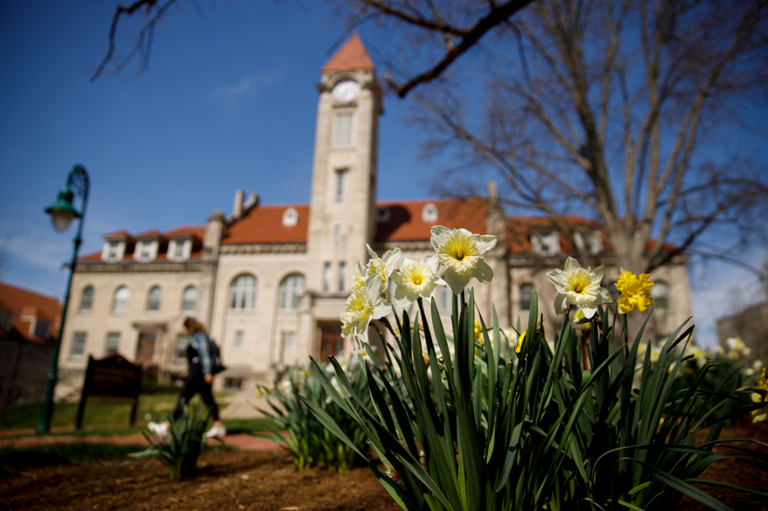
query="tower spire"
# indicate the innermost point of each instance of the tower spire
(351, 55)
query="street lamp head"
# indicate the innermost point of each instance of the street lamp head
(62, 213)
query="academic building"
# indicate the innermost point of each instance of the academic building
(270, 281)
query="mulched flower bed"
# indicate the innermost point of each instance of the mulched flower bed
(257, 480)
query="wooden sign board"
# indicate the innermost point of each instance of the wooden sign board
(111, 377)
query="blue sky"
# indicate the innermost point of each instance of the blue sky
(229, 102)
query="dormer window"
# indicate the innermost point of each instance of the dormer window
(429, 213)
(113, 250)
(546, 244)
(146, 250)
(290, 217)
(178, 250)
(382, 215)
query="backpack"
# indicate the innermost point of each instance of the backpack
(213, 350)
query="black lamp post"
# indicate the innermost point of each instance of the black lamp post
(62, 213)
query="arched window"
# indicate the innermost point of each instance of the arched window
(189, 299)
(153, 299)
(526, 295)
(120, 301)
(242, 294)
(86, 300)
(291, 288)
(660, 295)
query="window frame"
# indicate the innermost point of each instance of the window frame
(343, 131)
(82, 308)
(522, 301)
(239, 293)
(154, 297)
(78, 339)
(290, 289)
(110, 337)
(184, 300)
(123, 302)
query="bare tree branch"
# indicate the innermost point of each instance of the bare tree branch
(143, 45)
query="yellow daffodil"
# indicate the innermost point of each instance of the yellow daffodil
(462, 254)
(580, 319)
(478, 332)
(519, 344)
(382, 267)
(760, 396)
(363, 306)
(635, 291)
(417, 279)
(578, 286)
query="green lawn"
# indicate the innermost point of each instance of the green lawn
(104, 418)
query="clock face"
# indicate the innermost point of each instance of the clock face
(346, 91)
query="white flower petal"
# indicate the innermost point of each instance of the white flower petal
(571, 264)
(456, 282)
(483, 272)
(560, 304)
(486, 242)
(559, 278)
(588, 312)
(604, 296)
(599, 273)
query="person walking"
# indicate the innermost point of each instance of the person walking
(197, 379)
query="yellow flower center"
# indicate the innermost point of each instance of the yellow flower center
(578, 287)
(459, 254)
(417, 280)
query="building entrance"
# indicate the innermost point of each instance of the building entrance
(145, 349)
(331, 341)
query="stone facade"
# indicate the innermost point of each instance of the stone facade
(270, 281)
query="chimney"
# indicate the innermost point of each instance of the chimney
(492, 193)
(214, 230)
(237, 210)
(253, 201)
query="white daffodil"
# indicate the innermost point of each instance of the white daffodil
(579, 286)
(382, 267)
(738, 347)
(462, 254)
(417, 279)
(363, 306)
(358, 279)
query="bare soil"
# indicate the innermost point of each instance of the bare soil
(257, 480)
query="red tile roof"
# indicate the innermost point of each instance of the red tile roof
(154, 233)
(196, 231)
(352, 55)
(187, 230)
(117, 235)
(26, 304)
(264, 224)
(406, 223)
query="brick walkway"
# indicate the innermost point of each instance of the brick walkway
(240, 440)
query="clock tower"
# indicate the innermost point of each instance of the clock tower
(342, 205)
